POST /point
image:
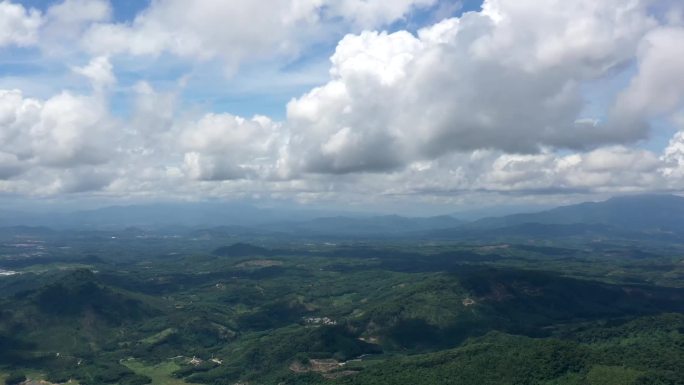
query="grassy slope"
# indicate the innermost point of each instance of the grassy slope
(161, 374)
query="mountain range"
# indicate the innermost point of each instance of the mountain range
(655, 215)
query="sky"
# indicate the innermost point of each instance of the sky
(415, 106)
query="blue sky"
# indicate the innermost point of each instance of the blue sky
(124, 10)
(242, 93)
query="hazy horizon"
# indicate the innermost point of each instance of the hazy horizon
(465, 212)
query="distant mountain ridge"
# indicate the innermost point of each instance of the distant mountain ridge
(377, 225)
(157, 215)
(623, 217)
(228, 218)
(639, 212)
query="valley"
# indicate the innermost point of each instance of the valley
(136, 306)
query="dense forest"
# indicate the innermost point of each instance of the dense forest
(138, 308)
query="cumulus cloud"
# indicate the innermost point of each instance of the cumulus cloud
(56, 29)
(482, 100)
(66, 21)
(609, 169)
(67, 143)
(65, 130)
(72, 130)
(153, 113)
(222, 147)
(673, 157)
(506, 78)
(581, 37)
(18, 25)
(237, 30)
(99, 71)
(74, 13)
(658, 88)
(493, 100)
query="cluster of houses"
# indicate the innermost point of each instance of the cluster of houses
(319, 321)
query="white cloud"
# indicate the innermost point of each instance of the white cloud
(490, 101)
(658, 88)
(154, 113)
(75, 12)
(55, 30)
(65, 144)
(609, 169)
(673, 157)
(508, 78)
(222, 147)
(229, 30)
(17, 116)
(66, 21)
(72, 130)
(581, 36)
(99, 71)
(238, 30)
(18, 25)
(64, 131)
